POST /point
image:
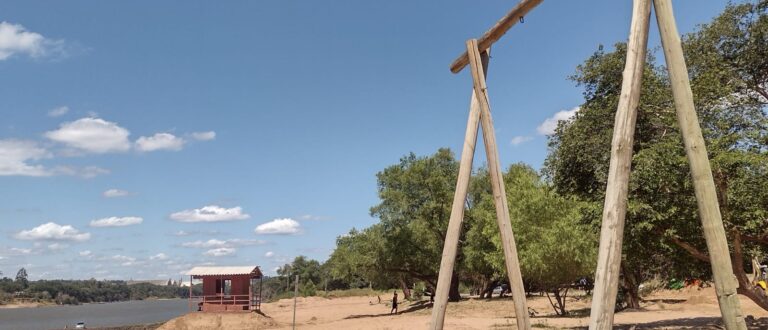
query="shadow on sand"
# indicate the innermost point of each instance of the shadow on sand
(412, 308)
(690, 323)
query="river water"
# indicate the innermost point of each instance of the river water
(94, 315)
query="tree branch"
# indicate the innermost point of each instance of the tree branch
(690, 249)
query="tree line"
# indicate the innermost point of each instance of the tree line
(74, 292)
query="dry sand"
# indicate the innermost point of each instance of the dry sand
(685, 309)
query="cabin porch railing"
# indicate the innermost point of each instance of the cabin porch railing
(196, 302)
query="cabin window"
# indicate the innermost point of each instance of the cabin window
(224, 287)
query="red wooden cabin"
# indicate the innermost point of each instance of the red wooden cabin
(227, 289)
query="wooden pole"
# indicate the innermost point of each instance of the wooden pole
(497, 31)
(703, 183)
(457, 211)
(295, 294)
(497, 185)
(615, 206)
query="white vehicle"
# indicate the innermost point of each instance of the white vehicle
(80, 325)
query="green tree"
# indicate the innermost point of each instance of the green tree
(21, 278)
(727, 68)
(555, 248)
(416, 197)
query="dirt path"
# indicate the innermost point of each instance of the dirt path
(668, 310)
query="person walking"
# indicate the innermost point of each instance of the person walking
(394, 304)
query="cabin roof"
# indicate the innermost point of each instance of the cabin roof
(223, 271)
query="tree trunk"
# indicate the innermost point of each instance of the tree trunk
(488, 289)
(746, 288)
(406, 289)
(631, 285)
(559, 304)
(453, 294)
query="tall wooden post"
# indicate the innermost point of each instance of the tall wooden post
(703, 183)
(615, 206)
(457, 211)
(499, 193)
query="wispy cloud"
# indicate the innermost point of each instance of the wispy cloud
(158, 257)
(204, 136)
(215, 243)
(53, 231)
(58, 111)
(286, 226)
(160, 141)
(16, 40)
(220, 252)
(114, 193)
(518, 140)
(16, 157)
(312, 217)
(116, 222)
(550, 124)
(210, 213)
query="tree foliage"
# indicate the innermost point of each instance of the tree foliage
(727, 66)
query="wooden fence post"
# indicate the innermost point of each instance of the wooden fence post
(615, 206)
(499, 193)
(457, 211)
(701, 172)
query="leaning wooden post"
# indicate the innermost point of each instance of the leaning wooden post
(499, 193)
(615, 206)
(703, 184)
(457, 211)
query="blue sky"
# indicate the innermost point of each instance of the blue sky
(142, 138)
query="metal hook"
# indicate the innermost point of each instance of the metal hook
(522, 19)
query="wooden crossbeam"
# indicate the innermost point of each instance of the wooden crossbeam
(497, 31)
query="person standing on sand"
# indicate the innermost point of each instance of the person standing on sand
(394, 304)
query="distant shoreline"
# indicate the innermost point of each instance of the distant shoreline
(16, 305)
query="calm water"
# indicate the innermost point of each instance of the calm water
(94, 315)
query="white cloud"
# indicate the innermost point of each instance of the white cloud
(159, 256)
(205, 244)
(160, 141)
(550, 124)
(87, 172)
(16, 40)
(93, 135)
(57, 246)
(220, 252)
(518, 140)
(269, 254)
(286, 226)
(15, 156)
(313, 217)
(182, 233)
(215, 243)
(119, 257)
(116, 222)
(53, 231)
(85, 253)
(204, 136)
(210, 213)
(58, 111)
(112, 193)
(21, 251)
(125, 260)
